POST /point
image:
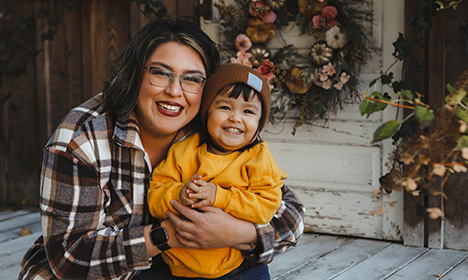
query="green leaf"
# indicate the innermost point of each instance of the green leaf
(424, 115)
(401, 47)
(372, 83)
(408, 94)
(455, 97)
(386, 79)
(462, 142)
(366, 107)
(462, 114)
(386, 130)
(378, 106)
(454, 4)
(450, 88)
(440, 4)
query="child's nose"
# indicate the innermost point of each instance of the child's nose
(234, 116)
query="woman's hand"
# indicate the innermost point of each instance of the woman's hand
(211, 227)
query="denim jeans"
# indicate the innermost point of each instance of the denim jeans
(246, 271)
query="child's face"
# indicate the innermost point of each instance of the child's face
(232, 123)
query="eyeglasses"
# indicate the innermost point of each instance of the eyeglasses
(163, 78)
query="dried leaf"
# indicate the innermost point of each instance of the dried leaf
(415, 193)
(459, 168)
(378, 212)
(465, 153)
(25, 231)
(392, 204)
(439, 169)
(434, 213)
(375, 193)
(436, 193)
(410, 184)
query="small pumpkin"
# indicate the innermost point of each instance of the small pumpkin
(311, 8)
(259, 54)
(335, 38)
(295, 82)
(275, 4)
(321, 53)
(260, 32)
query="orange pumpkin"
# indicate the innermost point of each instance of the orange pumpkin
(311, 8)
(260, 32)
(295, 82)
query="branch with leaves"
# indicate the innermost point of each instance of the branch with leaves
(431, 143)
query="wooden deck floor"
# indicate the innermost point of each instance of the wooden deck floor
(317, 256)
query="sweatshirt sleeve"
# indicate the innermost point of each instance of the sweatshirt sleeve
(259, 201)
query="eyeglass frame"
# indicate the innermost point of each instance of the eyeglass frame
(173, 75)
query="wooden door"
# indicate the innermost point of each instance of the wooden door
(332, 166)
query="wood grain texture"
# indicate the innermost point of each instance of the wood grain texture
(69, 70)
(318, 257)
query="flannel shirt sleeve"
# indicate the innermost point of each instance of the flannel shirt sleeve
(79, 243)
(282, 233)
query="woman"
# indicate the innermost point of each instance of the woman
(98, 163)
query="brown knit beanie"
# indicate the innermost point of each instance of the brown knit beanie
(232, 73)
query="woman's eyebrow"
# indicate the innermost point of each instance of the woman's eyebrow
(156, 63)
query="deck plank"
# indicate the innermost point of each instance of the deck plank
(20, 221)
(431, 264)
(460, 271)
(8, 214)
(310, 247)
(383, 263)
(317, 256)
(337, 261)
(12, 254)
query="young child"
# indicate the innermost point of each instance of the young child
(225, 165)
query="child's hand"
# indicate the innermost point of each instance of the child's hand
(189, 188)
(206, 194)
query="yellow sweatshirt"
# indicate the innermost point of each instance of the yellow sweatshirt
(248, 187)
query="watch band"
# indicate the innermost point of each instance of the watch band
(159, 236)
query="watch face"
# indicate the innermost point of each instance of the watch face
(159, 236)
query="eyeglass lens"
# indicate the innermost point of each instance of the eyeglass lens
(189, 83)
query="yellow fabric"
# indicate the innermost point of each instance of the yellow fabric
(249, 188)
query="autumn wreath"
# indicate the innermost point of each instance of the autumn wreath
(317, 83)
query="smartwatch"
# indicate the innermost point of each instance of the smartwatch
(159, 236)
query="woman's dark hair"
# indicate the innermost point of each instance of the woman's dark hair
(234, 91)
(126, 71)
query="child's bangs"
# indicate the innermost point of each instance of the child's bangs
(234, 91)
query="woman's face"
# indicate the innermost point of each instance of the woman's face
(162, 111)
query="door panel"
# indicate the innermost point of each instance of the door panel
(332, 166)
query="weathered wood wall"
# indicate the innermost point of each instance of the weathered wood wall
(69, 70)
(443, 59)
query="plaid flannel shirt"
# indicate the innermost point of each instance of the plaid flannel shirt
(94, 181)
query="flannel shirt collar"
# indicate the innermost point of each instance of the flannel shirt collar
(127, 133)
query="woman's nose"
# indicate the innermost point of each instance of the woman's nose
(174, 89)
